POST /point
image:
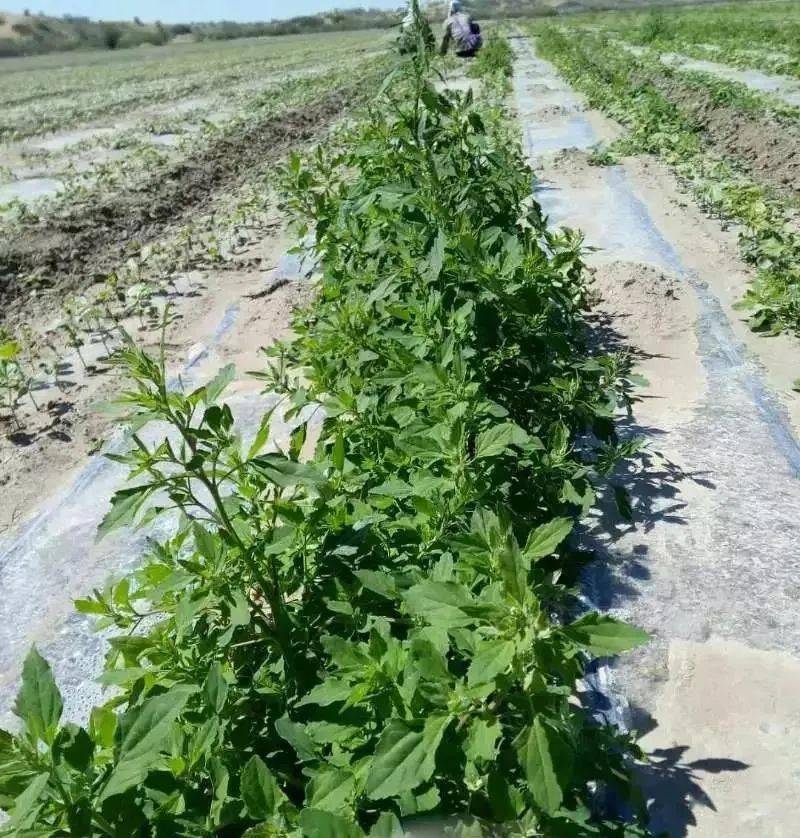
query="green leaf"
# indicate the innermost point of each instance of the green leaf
(75, 747)
(440, 603)
(603, 635)
(387, 826)
(204, 741)
(260, 792)
(103, 726)
(39, 702)
(9, 350)
(221, 778)
(338, 452)
(215, 688)
(378, 582)
(544, 540)
(219, 383)
(436, 256)
(495, 440)
(125, 505)
(330, 691)
(297, 737)
(331, 789)
(393, 488)
(547, 761)
(27, 805)
(262, 436)
(405, 757)
(208, 544)
(316, 823)
(482, 740)
(492, 657)
(143, 733)
(513, 568)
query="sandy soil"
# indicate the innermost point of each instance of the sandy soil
(42, 459)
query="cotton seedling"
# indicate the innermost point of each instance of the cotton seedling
(15, 383)
(139, 300)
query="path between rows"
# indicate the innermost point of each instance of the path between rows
(781, 87)
(712, 566)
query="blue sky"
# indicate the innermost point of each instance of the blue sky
(171, 11)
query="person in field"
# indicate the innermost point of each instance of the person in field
(462, 31)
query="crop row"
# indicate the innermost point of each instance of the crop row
(37, 101)
(376, 622)
(755, 34)
(622, 85)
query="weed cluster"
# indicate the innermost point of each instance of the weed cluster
(495, 58)
(375, 622)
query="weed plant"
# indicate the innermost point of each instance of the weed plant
(376, 621)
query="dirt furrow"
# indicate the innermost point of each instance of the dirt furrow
(89, 240)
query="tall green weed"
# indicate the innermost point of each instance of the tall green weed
(377, 621)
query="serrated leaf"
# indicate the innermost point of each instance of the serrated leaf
(378, 582)
(440, 603)
(330, 691)
(143, 732)
(546, 760)
(513, 567)
(387, 826)
(39, 702)
(603, 635)
(74, 746)
(262, 435)
(297, 737)
(331, 789)
(27, 805)
(125, 505)
(219, 383)
(544, 540)
(405, 757)
(393, 488)
(317, 823)
(436, 256)
(491, 658)
(495, 440)
(482, 740)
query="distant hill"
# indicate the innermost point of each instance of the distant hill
(32, 34)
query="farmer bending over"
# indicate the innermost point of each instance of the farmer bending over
(462, 30)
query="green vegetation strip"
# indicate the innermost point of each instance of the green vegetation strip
(330, 643)
(753, 34)
(621, 85)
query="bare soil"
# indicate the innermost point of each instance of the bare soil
(35, 463)
(89, 240)
(765, 147)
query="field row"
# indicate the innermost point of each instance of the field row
(754, 34)
(712, 131)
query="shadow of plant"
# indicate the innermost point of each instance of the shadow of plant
(673, 788)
